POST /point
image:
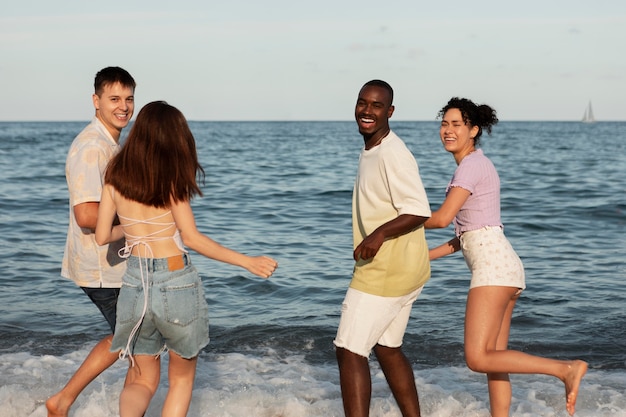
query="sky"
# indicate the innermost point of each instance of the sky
(295, 60)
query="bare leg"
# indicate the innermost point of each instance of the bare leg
(99, 359)
(399, 375)
(485, 318)
(499, 384)
(356, 383)
(181, 374)
(142, 382)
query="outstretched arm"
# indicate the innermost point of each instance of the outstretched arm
(444, 215)
(447, 248)
(262, 266)
(441, 218)
(402, 224)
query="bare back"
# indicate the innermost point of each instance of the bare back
(149, 231)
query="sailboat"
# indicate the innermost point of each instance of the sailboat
(588, 116)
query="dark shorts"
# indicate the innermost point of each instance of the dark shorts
(106, 301)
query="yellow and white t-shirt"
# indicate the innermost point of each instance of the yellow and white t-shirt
(388, 185)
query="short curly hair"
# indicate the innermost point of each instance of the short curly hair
(473, 114)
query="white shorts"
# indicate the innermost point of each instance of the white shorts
(368, 320)
(491, 259)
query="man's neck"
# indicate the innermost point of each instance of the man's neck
(375, 139)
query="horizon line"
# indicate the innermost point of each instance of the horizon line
(314, 121)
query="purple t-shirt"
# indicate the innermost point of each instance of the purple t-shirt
(477, 175)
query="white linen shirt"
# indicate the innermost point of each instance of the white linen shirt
(84, 261)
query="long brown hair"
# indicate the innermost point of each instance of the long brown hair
(158, 162)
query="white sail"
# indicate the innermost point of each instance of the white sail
(588, 116)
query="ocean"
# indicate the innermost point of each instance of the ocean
(284, 189)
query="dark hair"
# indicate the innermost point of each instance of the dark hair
(473, 114)
(158, 162)
(112, 75)
(382, 84)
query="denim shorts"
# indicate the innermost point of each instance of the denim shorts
(106, 301)
(176, 313)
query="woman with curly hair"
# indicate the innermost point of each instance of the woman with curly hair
(472, 203)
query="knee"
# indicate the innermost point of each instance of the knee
(384, 352)
(475, 362)
(137, 390)
(184, 384)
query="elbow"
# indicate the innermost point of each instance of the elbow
(102, 238)
(84, 221)
(85, 224)
(188, 240)
(443, 224)
(434, 223)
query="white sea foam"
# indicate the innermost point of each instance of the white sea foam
(237, 384)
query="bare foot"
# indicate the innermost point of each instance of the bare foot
(55, 406)
(577, 370)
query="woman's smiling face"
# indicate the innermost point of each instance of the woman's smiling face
(456, 135)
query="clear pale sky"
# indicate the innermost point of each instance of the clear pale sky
(296, 60)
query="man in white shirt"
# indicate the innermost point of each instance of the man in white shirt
(98, 270)
(389, 207)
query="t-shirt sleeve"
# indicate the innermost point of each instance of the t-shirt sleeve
(405, 185)
(466, 176)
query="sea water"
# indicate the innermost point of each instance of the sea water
(284, 189)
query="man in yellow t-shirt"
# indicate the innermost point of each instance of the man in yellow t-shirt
(389, 207)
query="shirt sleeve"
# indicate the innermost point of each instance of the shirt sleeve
(85, 171)
(405, 184)
(466, 176)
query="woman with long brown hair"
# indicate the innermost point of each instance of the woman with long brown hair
(149, 185)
